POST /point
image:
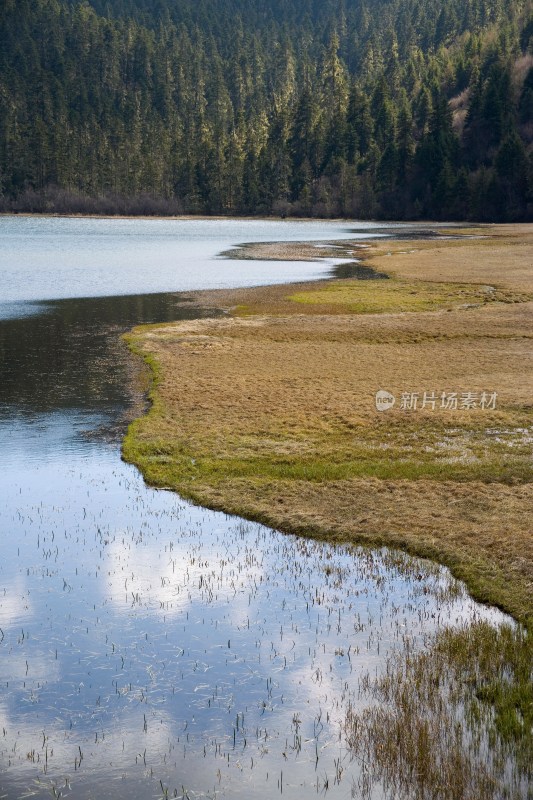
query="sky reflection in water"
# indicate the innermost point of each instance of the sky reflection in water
(149, 646)
(157, 641)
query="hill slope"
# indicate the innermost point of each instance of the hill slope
(388, 108)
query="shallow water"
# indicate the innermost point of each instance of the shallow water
(150, 648)
(155, 641)
(49, 258)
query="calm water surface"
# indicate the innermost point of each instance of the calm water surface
(149, 648)
(49, 258)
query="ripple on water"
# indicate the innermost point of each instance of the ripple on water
(150, 648)
(150, 645)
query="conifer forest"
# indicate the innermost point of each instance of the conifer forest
(385, 109)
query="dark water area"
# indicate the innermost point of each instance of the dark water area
(67, 354)
(148, 647)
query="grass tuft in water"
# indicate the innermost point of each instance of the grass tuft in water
(452, 722)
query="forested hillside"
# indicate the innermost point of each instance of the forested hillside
(365, 108)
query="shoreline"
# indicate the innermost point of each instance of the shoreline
(261, 218)
(259, 414)
(200, 217)
(254, 497)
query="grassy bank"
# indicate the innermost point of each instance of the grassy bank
(270, 413)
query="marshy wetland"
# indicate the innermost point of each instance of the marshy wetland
(153, 648)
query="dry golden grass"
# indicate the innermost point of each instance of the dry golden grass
(271, 414)
(503, 258)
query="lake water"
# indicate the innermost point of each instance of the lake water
(150, 648)
(51, 258)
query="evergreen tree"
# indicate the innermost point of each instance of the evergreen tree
(301, 107)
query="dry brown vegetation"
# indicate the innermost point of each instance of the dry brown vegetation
(270, 413)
